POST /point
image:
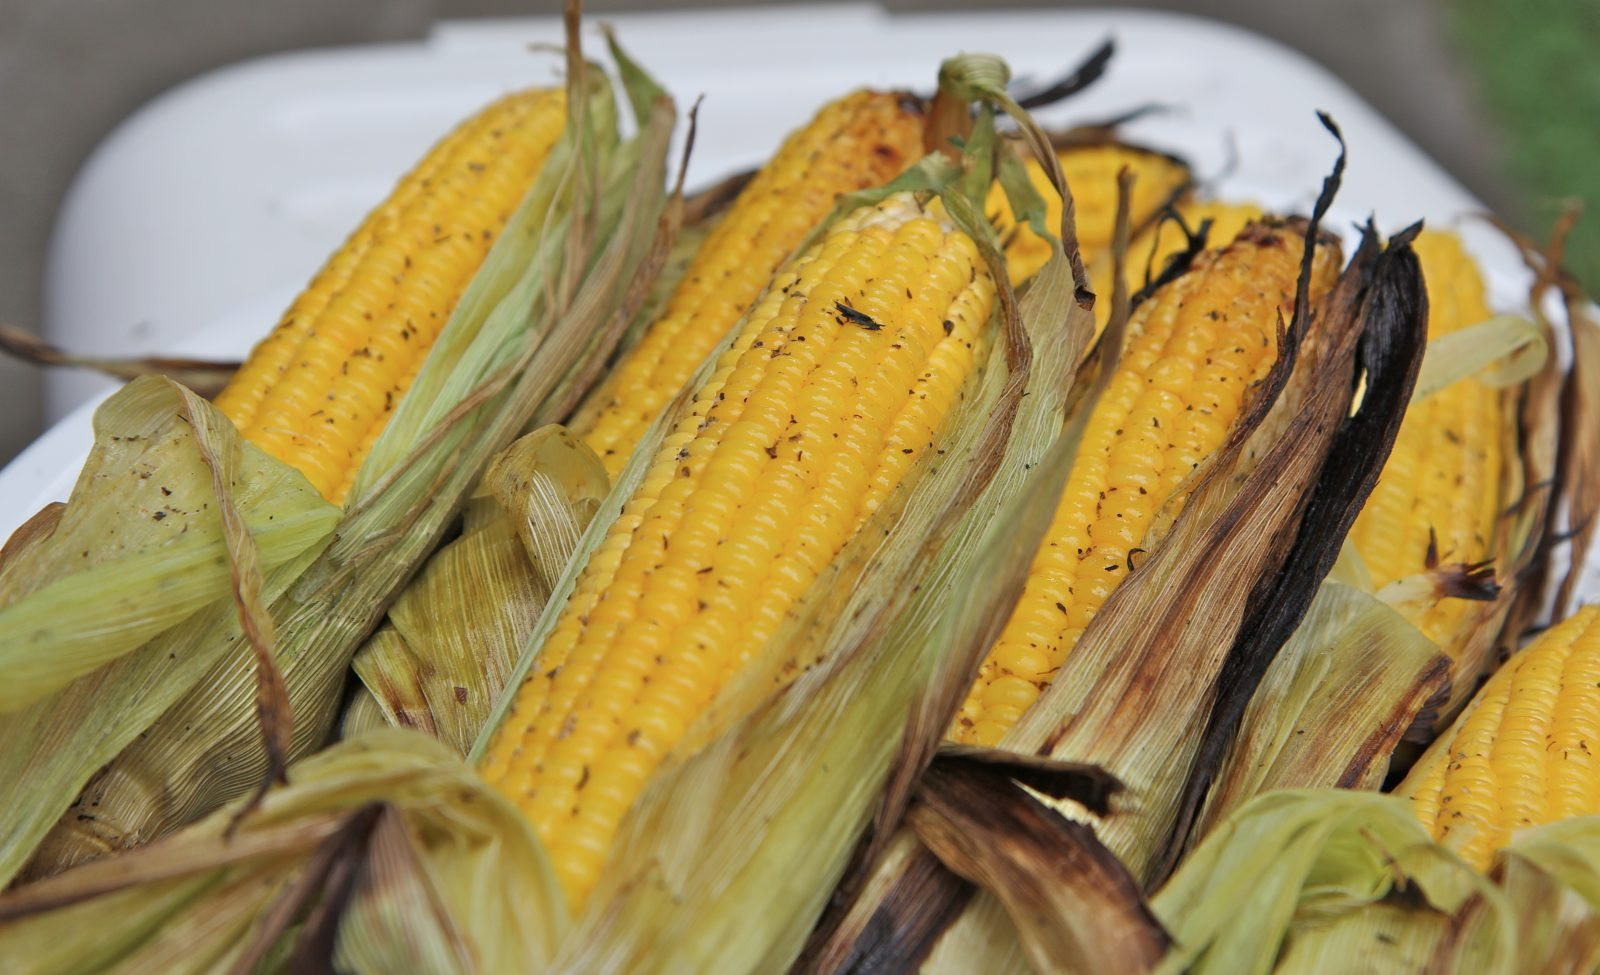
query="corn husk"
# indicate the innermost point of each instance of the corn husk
(1305, 881)
(127, 598)
(454, 635)
(559, 286)
(783, 786)
(1334, 703)
(386, 853)
(1318, 880)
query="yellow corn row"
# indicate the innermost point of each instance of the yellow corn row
(861, 140)
(317, 391)
(836, 385)
(1091, 173)
(1440, 490)
(1194, 350)
(1523, 753)
(1151, 248)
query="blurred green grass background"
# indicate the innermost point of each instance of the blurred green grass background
(1539, 66)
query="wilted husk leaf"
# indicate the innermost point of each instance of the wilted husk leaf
(389, 840)
(1320, 880)
(1333, 704)
(126, 602)
(455, 633)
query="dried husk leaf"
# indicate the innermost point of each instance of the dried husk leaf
(393, 817)
(140, 546)
(457, 630)
(1074, 904)
(1554, 498)
(1332, 705)
(147, 462)
(1578, 468)
(560, 284)
(1499, 352)
(205, 377)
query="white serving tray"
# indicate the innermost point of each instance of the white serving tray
(196, 222)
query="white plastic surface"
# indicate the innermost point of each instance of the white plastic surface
(198, 219)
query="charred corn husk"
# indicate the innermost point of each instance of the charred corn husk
(1523, 752)
(318, 390)
(1193, 352)
(863, 139)
(1440, 495)
(837, 382)
(1091, 174)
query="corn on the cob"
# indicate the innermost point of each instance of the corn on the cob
(835, 385)
(1440, 492)
(1091, 174)
(1523, 753)
(863, 139)
(1194, 350)
(317, 391)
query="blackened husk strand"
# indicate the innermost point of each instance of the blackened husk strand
(1394, 312)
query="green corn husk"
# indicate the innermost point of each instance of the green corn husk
(1319, 880)
(557, 289)
(1313, 881)
(457, 631)
(386, 851)
(126, 599)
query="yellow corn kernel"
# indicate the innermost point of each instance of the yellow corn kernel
(1193, 352)
(1091, 173)
(317, 391)
(1523, 752)
(861, 140)
(1441, 484)
(840, 377)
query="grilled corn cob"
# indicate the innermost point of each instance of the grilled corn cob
(837, 382)
(1523, 752)
(1091, 174)
(1440, 492)
(317, 391)
(863, 139)
(1193, 352)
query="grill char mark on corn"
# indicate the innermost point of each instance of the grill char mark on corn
(1523, 753)
(1193, 352)
(318, 390)
(861, 140)
(807, 424)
